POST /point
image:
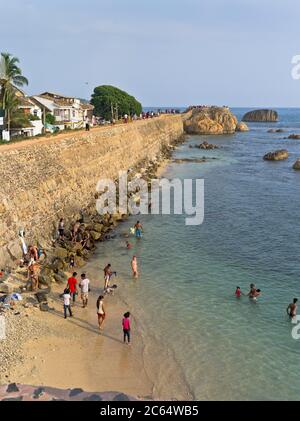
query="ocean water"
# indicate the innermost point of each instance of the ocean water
(223, 348)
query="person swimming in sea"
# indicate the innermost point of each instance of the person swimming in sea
(292, 308)
(128, 245)
(254, 293)
(238, 293)
(138, 229)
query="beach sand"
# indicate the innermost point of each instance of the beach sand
(76, 355)
(73, 353)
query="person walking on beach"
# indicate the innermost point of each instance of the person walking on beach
(72, 286)
(85, 288)
(67, 304)
(100, 311)
(107, 275)
(126, 328)
(292, 308)
(134, 267)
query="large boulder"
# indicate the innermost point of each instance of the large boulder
(296, 166)
(242, 127)
(98, 227)
(261, 116)
(95, 235)
(60, 277)
(61, 252)
(210, 120)
(277, 155)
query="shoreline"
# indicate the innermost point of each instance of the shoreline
(50, 342)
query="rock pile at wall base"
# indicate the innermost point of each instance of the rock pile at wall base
(57, 178)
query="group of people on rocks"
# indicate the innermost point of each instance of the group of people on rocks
(31, 259)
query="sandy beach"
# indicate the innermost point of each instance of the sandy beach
(73, 353)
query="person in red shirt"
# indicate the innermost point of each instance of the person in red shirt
(238, 292)
(72, 286)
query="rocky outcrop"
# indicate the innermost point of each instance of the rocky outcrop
(296, 166)
(277, 155)
(294, 136)
(205, 145)
(242, 127)
(210, 120)
(261, 116)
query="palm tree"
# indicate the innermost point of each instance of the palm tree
(10, 78)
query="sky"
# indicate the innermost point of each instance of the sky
(164, 52)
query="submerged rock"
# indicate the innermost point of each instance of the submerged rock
(277, 155)
(261, 116)
(275, 131)
(296, 165)
(205, 145)
(192, 160)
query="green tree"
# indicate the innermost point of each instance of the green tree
(110, 101)
(10, 78)
(50, 119)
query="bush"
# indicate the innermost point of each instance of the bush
(50, 119)
(33, 117)
(106, 96)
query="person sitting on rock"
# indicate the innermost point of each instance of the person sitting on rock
(33, 252)
(75, 231)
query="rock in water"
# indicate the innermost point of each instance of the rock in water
(296, 166)
(242, 127)
(294, 136)
(261, 116)
(277, 155)
(210, 120)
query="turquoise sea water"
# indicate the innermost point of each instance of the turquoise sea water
(184, 300)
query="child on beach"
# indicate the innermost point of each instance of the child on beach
(126, 327)
(128, 245)
(134, 267)
(67, 304)
(100, 311)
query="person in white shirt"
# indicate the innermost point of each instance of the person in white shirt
(67, 304)
(85, 287)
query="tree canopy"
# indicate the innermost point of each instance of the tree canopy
(10, 78)
(110, 102)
